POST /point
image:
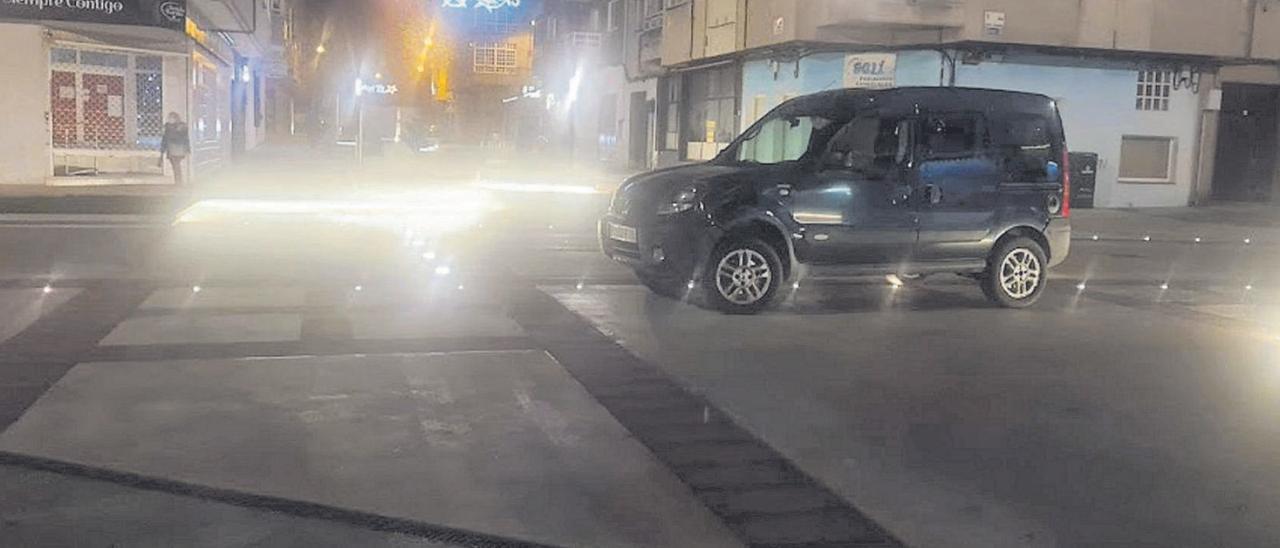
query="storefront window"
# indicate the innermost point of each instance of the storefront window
(104, 100)
(712, 114)
(669, 116)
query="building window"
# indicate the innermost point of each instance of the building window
(1154, 89)
(669, 116)
(614, 14)
(1147, 159)
(105, 100)
(652, 8)
(711, 118)
(495, 59)
(495, 24)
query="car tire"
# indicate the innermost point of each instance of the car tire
(666, 286)
(1017, 272)
(742, 276)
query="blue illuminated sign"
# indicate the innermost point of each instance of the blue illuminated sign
(491, 5)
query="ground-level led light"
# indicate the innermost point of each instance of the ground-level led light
(691, 284)
(1197, 239)
(1081, 286)
(461, 287)
(359, 288)
(1248, 287)
(1247, 241)
(1164, 286)
(195, 289)
(795, 285)
(1146, 238)
(1095, 237)
(443, 270)
(47, 290)
(580, 286)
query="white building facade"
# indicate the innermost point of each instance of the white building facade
(88, 90)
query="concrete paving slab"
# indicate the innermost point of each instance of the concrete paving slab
(19, 308)
(504, 443)
(47, 509)
(181, 329)
(431, 322)
(226, 297)
(953, 423)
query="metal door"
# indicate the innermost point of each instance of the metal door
(103, 110)
(65, 112)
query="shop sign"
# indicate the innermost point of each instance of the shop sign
(993, 22)
(170, 14)
(871, 70)
(491, 5)
(375, 89)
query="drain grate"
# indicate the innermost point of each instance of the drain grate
(759, 494)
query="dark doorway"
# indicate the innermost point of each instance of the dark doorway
(638, 132)
(1245, 169)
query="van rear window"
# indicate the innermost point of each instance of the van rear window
(1023, 144)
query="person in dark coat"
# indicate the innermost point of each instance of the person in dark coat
(176, 144)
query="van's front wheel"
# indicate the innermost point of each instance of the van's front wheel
(743, 276)
(1016, 273)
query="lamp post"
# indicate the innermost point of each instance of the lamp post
(359, 121)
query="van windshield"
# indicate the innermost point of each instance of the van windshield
(784, 136)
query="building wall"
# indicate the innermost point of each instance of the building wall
(1096, 115)
(614, 79)
(24, 102)
(1195, 27)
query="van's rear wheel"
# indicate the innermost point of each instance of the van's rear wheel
(1017, 271)
(743, 276)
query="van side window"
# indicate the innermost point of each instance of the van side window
(871, 146)
(784, 139)
(1023, 144)
(951, 137)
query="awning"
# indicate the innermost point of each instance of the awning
(150, 40)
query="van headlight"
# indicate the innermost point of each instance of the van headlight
(683, 200)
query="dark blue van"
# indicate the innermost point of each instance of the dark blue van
(908, 182)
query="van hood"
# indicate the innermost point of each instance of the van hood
(640, 195)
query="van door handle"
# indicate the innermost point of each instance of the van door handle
(932, 194)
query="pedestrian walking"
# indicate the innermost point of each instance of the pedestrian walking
(176, 144)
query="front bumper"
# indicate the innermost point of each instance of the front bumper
(1059, 235)
(684, 241)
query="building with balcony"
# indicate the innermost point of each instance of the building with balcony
(1177, 98)
(492, 46)
(88, 89)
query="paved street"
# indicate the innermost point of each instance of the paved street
(430, 351)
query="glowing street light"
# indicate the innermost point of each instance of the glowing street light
(320, 48)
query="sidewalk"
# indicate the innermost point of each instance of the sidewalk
(1226, 223)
